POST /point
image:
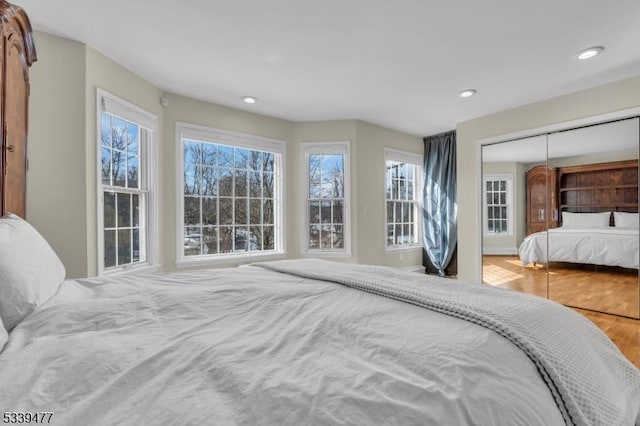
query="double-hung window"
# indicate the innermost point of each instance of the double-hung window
(498, 204)
(230, 199)
(326, 228)
(402, 193)
(125, 135)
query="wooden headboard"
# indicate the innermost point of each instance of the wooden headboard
(602, 187)
(18, 53)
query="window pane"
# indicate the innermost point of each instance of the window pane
(267, 212)
(503, 185)
(105, 137)
(226, 239)
(325, 212)
(209, 211)
(191, 210)
(406, 209)
(314, 236)
(269, 238)
(268, 188)
(132, 172)
(314, 175)
(490, 225)
(395, 188)
(225, 182)
(241, 211)
(255, 238)
(132, 138)
(412, 235)
(110, 210)
(338, 212)
(489, 185)
(225, 156)
(268, 162)
(136, 246)
(411, 169)
(109, 249)
(118, 138)
(135, 210)
(327, 186)
(255, 184)
(398, 215)
(209, 240)
(255, 161)
(387, 182)
(338, 237)
(241, 238)
(192, 241)
(503, 198)
(191, 180)
(241, 183)
(119, 168)
(390, 237)
(390, 210)
(496, 198)
(241, 158)
(106, 166)
(209, 154)
(255, 211)
(325, 236)
(123, 202)
(496, 185)
(406, 234)
(209, 180)
(192, 152)
(124, 246)
(314, 212)
(410, 188)
(226, 211)
(490, 213)
(398, 234)
(503, 212)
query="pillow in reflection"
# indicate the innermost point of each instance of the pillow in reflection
(585, 220)
(625, 220)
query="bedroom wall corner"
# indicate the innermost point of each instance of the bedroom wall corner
(56, 196)
(611, 97)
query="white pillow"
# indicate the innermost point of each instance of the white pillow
(585, 220)
(625, 220)
(30, 271)
(3, 335)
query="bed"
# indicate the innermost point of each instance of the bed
(294, 342)
(586, 241)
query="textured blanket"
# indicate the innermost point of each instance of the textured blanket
(590, 380)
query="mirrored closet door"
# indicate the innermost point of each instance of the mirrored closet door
(566, 225)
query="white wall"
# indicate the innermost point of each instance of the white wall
(61, 199)
(610, 97)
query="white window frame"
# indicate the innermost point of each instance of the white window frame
(391, 154)
(327, 147)
(109, 103)
(240, 140)
(508, 177)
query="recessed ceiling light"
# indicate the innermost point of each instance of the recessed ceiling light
(590, 52)
(249, 99)
(466, 93)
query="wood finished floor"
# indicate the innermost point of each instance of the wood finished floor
(603, 289)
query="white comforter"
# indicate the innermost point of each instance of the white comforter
(247, 346)
(603, 246)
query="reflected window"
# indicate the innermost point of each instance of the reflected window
(231, 198)
(327, 219)
(498, 204)
(402, 193)
(125, 133)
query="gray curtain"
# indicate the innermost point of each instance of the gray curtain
(440, 209)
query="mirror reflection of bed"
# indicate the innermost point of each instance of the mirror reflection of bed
(560, 216)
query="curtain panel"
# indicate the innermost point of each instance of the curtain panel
(440, 209)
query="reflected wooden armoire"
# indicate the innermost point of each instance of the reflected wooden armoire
(542, 199)
(18, 53)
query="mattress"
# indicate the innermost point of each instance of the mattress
(248, 346)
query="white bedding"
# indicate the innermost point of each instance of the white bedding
(601, 246)
(247, 346)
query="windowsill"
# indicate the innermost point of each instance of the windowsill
(227, 259)
(397, 249)
(144, 268)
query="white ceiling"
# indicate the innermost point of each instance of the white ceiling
(399, 64)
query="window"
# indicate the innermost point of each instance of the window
(231, 196)
(326, 227)
(124, 150)
(497, 204)
(402, 193)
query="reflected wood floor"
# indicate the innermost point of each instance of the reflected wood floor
(604, 289)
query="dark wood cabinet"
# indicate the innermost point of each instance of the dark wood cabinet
(599, 187)
(542, 199)
(17, 53)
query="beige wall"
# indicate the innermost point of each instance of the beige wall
(607, 98)
(56, 198)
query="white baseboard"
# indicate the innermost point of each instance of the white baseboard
(499, 251)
